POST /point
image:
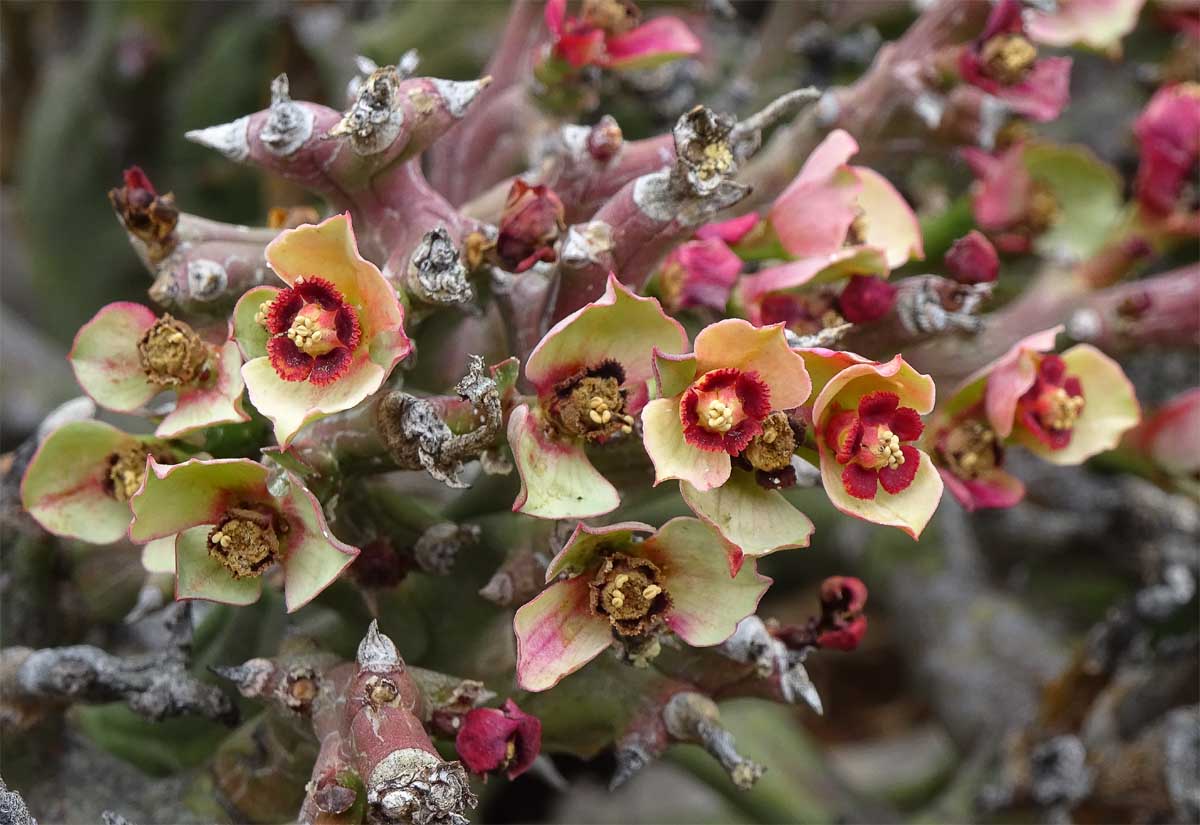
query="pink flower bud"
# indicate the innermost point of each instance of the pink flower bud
(532, 220)
(972, 259)
(700, 273)
(499, 739)
(846, 638)
(843, 593)
(866, 298)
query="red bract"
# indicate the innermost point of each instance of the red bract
(724, 410)
(1168, 132)
(532, 220)
(1003, 62)
(842, 625)
(868, 442)
(313, 332)
(504, 739)
(1049, 409)
(972, 259)
(866, 298)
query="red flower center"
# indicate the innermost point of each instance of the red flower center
(724, 409)
(869, 441)
(1050, 408)
(313, 332)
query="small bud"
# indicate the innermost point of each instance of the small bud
(866, 298)
(605, 139)
(972, 259)
(533, 219)
(505, 739)
(147, 215)
(842, 625)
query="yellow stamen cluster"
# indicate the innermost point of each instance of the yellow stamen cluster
(600, 414)
(1063, 410)
(1009, 58)
(126, 471)
(889, 448)
(717, 416)
(309, 337)
(971, 449)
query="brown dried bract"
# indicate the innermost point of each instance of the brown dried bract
(771, 450)
(628, 591)
(171, 353)
(245, 542)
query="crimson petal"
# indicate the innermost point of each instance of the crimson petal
(860, 482)
(877, 407)
(331, 366)
(896, 479)
(290, 363)
(906, 424)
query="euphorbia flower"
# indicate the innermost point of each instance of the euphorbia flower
(1060, 198)
(230, 529)
(865, 417)
(80, 480)
(1004, 63)
(1097, 24)
(590, 373)
(149, 216)
(617, 586)
(725, 401)
(499, 739)
(1168, 133)
(699, 273)
(329, 339)
(1065, 408)
(126, 355)
(607, 34)
(834, 221)
(532, 220)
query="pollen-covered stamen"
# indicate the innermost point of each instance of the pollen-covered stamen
(126, 471)
(171, 353)
(1008, 58)
(314, 330)
(886, 448)
(717, 415)
(971, 449)
(629, 592)
(245, 541)
(591, 405)
(772, 449)
(1060, 409)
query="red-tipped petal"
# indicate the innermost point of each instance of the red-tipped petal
(896, 479)
(843, 434)
(906, 424)
(348, 330)
(288, 361)
(331, 366)
(282, 311)
(859, 481)
(878, 407)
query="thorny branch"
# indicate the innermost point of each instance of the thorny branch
(418, 438)
(155, 685)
